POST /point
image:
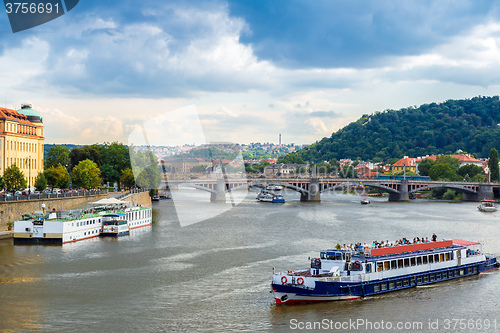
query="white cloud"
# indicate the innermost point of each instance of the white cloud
(100, 77)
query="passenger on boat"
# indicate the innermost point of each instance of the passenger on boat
(434, 237)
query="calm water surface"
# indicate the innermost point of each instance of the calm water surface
(215, 275)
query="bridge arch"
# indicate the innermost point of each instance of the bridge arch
(378, 186)
(452, 187)
(263, 184)
(198, 187)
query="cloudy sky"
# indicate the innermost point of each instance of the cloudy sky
(252, 69)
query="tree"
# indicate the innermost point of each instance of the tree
(14, 179)
(146, 169)
(292, 158)
(127, 179)
(470, 171)
(2, 183)
(349, 172)
(442, 171)
(493, 165)
(86, 174)
(424, 166)
(40, 182)
(449, 194)
(57, 177)
(114, 158)
(57, 155)
(454, 163)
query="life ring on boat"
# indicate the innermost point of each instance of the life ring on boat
(317, 261)
(300, 280)
(357, 264)
(283, 279)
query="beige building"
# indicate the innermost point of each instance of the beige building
(21, 141)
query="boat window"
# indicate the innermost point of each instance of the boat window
(347, 257)
(426, 278)
(438, 276)
(380, 266)
(368, 268)
(399, 284)
(387, 265)
(391, 285)
(419, 260)
(407, 262)
(436, 258)
(445, 275)
(433, 277)
(424, 260)
(338, 256)
(376, 287)
(431, 259)
(322, 255)
(447, 256)
(419, 280)
(413, 261)
(394, 264)
(462, 271)
(406, 282)
(384, 286)
(441, 257)
(400, 263)
(456, 272)
(451, 255)
(343, 256)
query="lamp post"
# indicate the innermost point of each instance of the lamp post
(28, 163)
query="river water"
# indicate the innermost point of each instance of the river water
(214, 275)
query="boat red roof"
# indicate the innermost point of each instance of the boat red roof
(462, 242)
(412, 247)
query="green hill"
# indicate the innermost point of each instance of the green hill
(472, 125)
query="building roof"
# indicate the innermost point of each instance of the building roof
(13, 115)
(463, 158)
(406, 161)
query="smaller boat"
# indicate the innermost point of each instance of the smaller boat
(114, 225)
(487, 206)
(365, 202)
(164, 197)
(270, 196)
(155, 198)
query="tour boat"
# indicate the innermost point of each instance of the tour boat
(60, 227)
(487, 206)
(271, 194)
(114, 225)
(347, 275)
(267, 196)
(365, 202)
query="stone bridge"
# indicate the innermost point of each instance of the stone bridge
(310, 189)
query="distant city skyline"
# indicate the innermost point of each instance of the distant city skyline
(102, 69)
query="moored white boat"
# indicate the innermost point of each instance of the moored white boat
(346, 275)
(60, 227)
(114, 225)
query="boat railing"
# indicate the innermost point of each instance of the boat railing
(351, 278)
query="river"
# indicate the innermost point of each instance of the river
(214, 276)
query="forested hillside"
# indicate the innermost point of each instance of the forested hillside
(471, 125)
